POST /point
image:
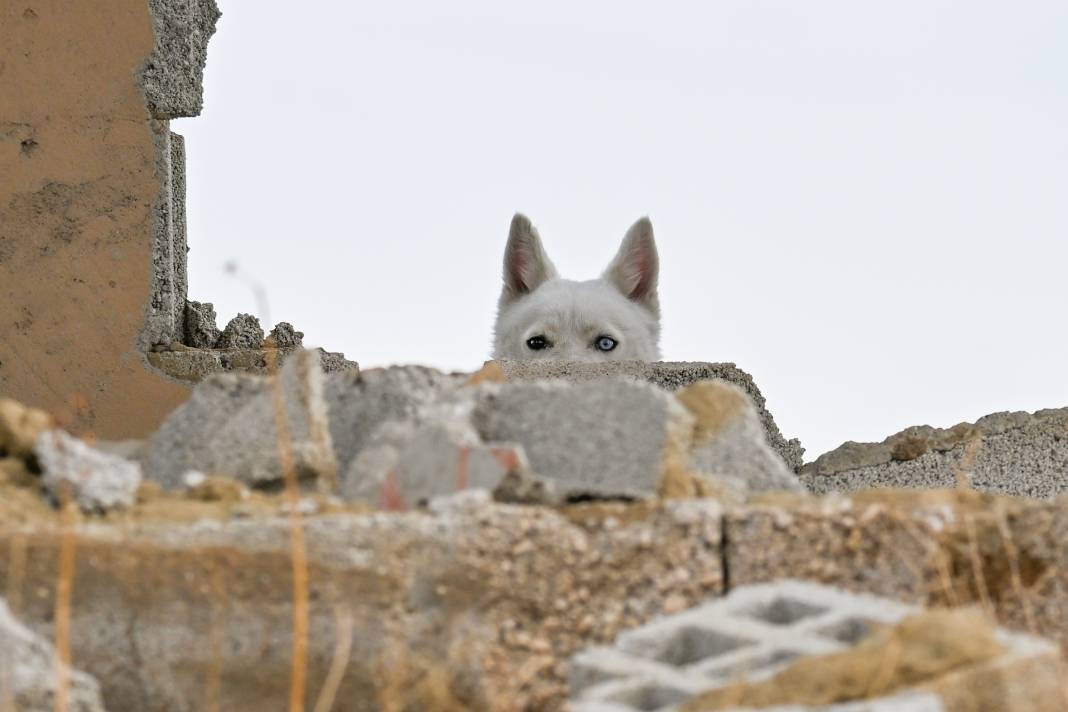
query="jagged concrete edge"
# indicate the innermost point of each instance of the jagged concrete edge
(854, 456)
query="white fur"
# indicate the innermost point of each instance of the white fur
(622, 304)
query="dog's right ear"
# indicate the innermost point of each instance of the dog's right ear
(526, 266)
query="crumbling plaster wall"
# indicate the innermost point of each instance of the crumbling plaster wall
(92, 240)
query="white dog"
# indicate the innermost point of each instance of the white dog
(614, 318)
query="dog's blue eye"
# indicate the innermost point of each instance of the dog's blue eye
(537, 343)
(605, 343)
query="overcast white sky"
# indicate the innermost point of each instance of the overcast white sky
(863, 204)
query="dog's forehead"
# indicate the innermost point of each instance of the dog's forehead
(570, 305)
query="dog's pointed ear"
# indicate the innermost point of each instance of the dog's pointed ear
(636, 266)
(526, 266)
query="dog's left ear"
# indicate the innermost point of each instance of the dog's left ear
(636, 266)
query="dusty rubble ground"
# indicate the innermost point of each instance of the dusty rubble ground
(188, 599)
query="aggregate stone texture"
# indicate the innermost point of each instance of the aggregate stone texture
(201, 328)
(28, 672)
(670, 375)
(932, 548)
(160, 607)
(284, 336)
(173, 76)
(1019, 454)
(242, 332)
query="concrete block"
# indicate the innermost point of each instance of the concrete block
(228, 428)
(607, 438)
(173, 76)
(242, 332)
(98, 481)
(201, 330)
(28, 672)
(1019, 454)
(758, 631)
(668, 375)
(730, 442)
(360, 401)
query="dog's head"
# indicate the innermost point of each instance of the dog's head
(613, 318)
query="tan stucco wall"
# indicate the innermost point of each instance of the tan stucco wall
(78, 188)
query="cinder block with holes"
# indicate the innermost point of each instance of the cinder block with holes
(751, 634)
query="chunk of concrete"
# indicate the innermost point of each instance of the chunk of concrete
(729, 440)
(173, 76)
(97, 481)
(201, 330)
(1019, 454)
(228, 427)
(610, 438)
(28, 675)
(284, 336)
(242, 332)
(360, 401)
(669, 375)
(194, 365)
(407, 463)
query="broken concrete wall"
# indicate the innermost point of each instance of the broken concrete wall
(1020, 454)
(85, 207)
(162, 610)
(668, 375)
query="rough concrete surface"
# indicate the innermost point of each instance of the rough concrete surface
(201, 330)
(358, 402)
(729, 440)
(28, 672)
(494, 598)
(95, 480)
(78, 156)
(228, 427)
(926, 547)
(602, 438)
(180, 233)
(1019, 454)
(242, 332)
(406, 463)
(194, 365)
(669, 375)
(173, 76)
(283, 336)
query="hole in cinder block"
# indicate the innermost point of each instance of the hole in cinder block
(692, 644)
(762, 664)
(651, 697)
(849, 631)
(785, 611)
